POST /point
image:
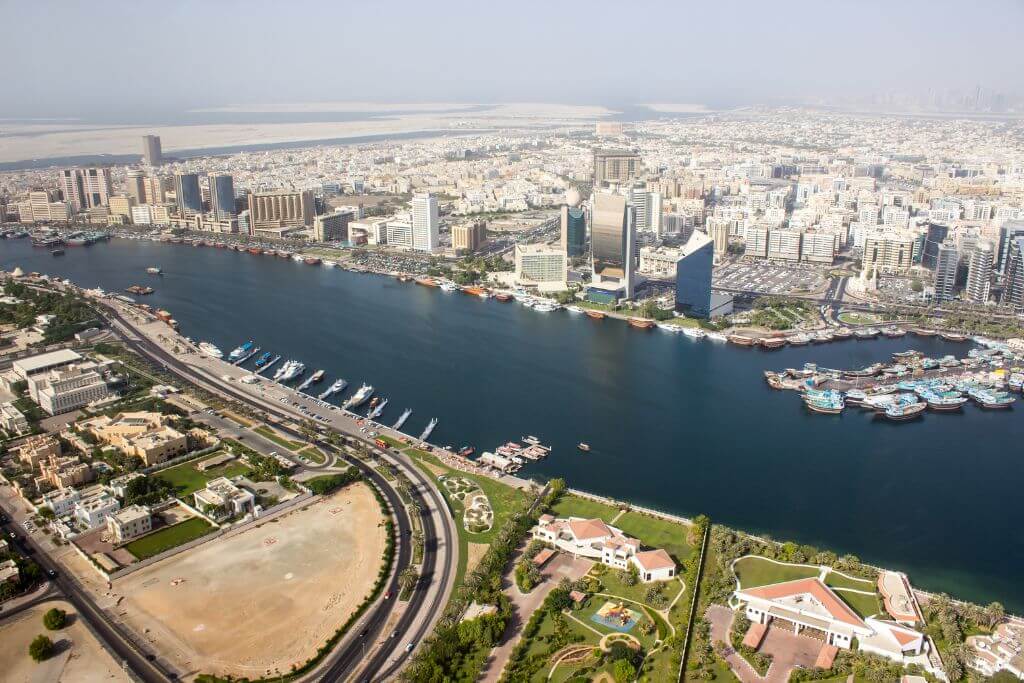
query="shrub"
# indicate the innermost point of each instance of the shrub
(41, 648)
(55, 619)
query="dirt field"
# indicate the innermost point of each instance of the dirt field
(258, 602)
(79, 659)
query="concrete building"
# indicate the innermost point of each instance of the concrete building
(155, 189)
(947, 258)
(145, 435)
(152, 152)
(888, 252)
(693, 276)
(222, 196)
(62, 472)
(72, 185)
(61, 501)
(1007, 232)
(470, 237)
(135, 185)
(719, 233)
(399, 232)
(425, 222)
(128, 523)
(659, 262)
(756, 242)
(936, 235)
(375, 230)
(615, 166)
(96, 183)
(647, 210)
(784, 244)
(281, 209)
(540, 266)
(24, 368)
(1013, 290)
(332, 227)
(818, 247)
(121, 205)
(37, 449)
(613, 245)
(979, 272)
(12, 420)
(222, 499)
(573, 224)
(93, 512)
(188, 196)
(69, 388)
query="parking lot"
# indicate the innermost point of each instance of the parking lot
(769, 278)
(899, 289)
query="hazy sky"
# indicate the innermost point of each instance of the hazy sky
(68, 58)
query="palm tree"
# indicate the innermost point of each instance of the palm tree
(408, 579)
(415, 508)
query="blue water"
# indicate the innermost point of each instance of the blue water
(680, 425)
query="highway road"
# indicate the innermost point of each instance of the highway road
(440, 545)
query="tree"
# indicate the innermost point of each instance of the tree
(55, 619)
(994, 613)
(408, 579)
(623, 671)
(629, 576)
(41, 648)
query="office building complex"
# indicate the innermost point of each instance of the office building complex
(647, 208)
(540, 266)
(937, 234)
(468, 238)
(887, 252)
(756, 242)
(187, 193)
(282, 209)
(425, 222)
(72, 185)
(784, 244)
(135, 182)
(1007, 232)
(222, 196)
(979, 273)
(693, 275)
(946, 260)
(613, 245)
(719, 233)
(1013, 290)
(818, 247)
(96, 183)
(615, 166)
(332, 227)
(152, 154)
(69, 388)
(573, 224)
(399, 232)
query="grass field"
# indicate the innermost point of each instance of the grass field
(574, 506)
(169, 537)
(394, 443)
(852, 318)
(313, 454)
(864, 605)
(834, 580)
(187, 479)
(268, 433)
(683, 322)
(757, 571)
(657, 533)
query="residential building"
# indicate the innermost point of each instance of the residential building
(92, 512)
(145, 435)
(998, 651)
(222, 196)
(62, 501)
(756, 242)
(1007, 232)
(979, 272)
(615, 166)
(936, 235)
(947, 258)
(888, 252)
(12, 420)
(152, 153)
(784, 244)
(818, 247)
(96, 183)
(1013, 289)
(613, 245)
(222, 499)
(647, 210)
(693, 276)
(69, 388)
(118, 486)
(9, 572)
(573, 223)
(37, 449)
(332, 227)
(188, 196)
(659, 262)
(121, 205)
(399, 232)
(425, 222)
(129, 522)
(540, 266)
(596, 540)
(154, 189)
(44, 207)
(281, 209)
(60, 472)
(468, 238)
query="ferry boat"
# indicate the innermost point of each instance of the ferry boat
(894, 332)
(153, 270)
(772, 343)
(585, 447)
(139, 290)
(826, 402)
(546, 306)
(945, 401)
(312, 379)
(254, 251)
(402, 418)
(476, 291)
(573, 309)
(867, 333)
(337, 386)
(905, 355)
(210, 350)
(640, 323)
(596, 315)
(241, 350)
(429, 430)
(953, 336)
(922, 332)
(377, 410)
(799, 339)
(360, 397)
(329, 264)
(991, 399)
(694, 332)
(822, 336)
(262, 360)
(903, 412)
(426, 281)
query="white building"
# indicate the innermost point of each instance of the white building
(128, 523)
(979, 272)
(946, 262)
(818, 247)
(659, 261)
(425, 222)
(399, 232)
(62, 501)
(375, 229)
(756, 242)
(541, 266)
(12, 420)
(92, 512)
(784, 244)
(69, 388)
(222, 499)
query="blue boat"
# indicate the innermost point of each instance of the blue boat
(241, 350)
(262, 360)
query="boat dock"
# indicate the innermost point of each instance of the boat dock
(269, 365)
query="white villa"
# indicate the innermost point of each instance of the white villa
(596, 540)
(223, 498)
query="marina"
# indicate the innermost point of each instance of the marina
(492, 372)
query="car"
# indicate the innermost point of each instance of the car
(394, 634)
(364, 633)
(387, 596)
(409, 647)
(52, 573)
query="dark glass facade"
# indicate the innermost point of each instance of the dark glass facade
(693, 279)
(190, 198)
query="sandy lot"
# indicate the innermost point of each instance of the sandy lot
(80, 658)
(265, 599)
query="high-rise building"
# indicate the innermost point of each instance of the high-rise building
(647, 206)
(613, 244)
(332, 227)
(96, 182)
(135, 180)
(540, 266)
(888, 252)
(187, 193)
(222, 196)
(693, 275)
(818, 247)
(282, 209)
(469, 237)
(72, 185)
(155, 189)
(756, 242)
(425, 222)
(573, 224)
(615, 166)
(152, 154)
(398, 232)
(1007, 232)
(121, 205)
(784, 244)
(1013, 290)
(979, 272)
(937, 234)
(719, 233)
(947, 258)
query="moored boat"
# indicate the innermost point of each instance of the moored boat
(596, 315)
(640, 323)
(772, 343)
(903, 412)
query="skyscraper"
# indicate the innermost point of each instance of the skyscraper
(937, 232)
(613, 244)
(647, 206)
(1013, 291)
(152, 154)
(96, 183)
(720, 236)
(693, 275)
(1007, 231)
(573, 224)
(425, 222)
(222, 196)
(135, 180)
(72, 184)
(946, 260)
(979, 273)
(615, 166)
(189, 196)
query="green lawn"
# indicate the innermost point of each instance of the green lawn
(539, 645)
(169, 537)
(271, 435)
(612, 585)
(682, 322)
(394, 443)
(186, 479)
(854, 318)
(757, 571)
(313, 454)
(655, 532)
(574, 506)
(835, 580)
(864, 605)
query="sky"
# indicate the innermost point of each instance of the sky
(69, 58)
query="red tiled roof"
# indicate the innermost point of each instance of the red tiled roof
(826, 656)
(586, 529)
(655, 559)
(755, 634)
(903, 638)
(819, 591)
(543, 556)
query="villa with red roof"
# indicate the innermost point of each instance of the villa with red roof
(594, 539)
(810, 608)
